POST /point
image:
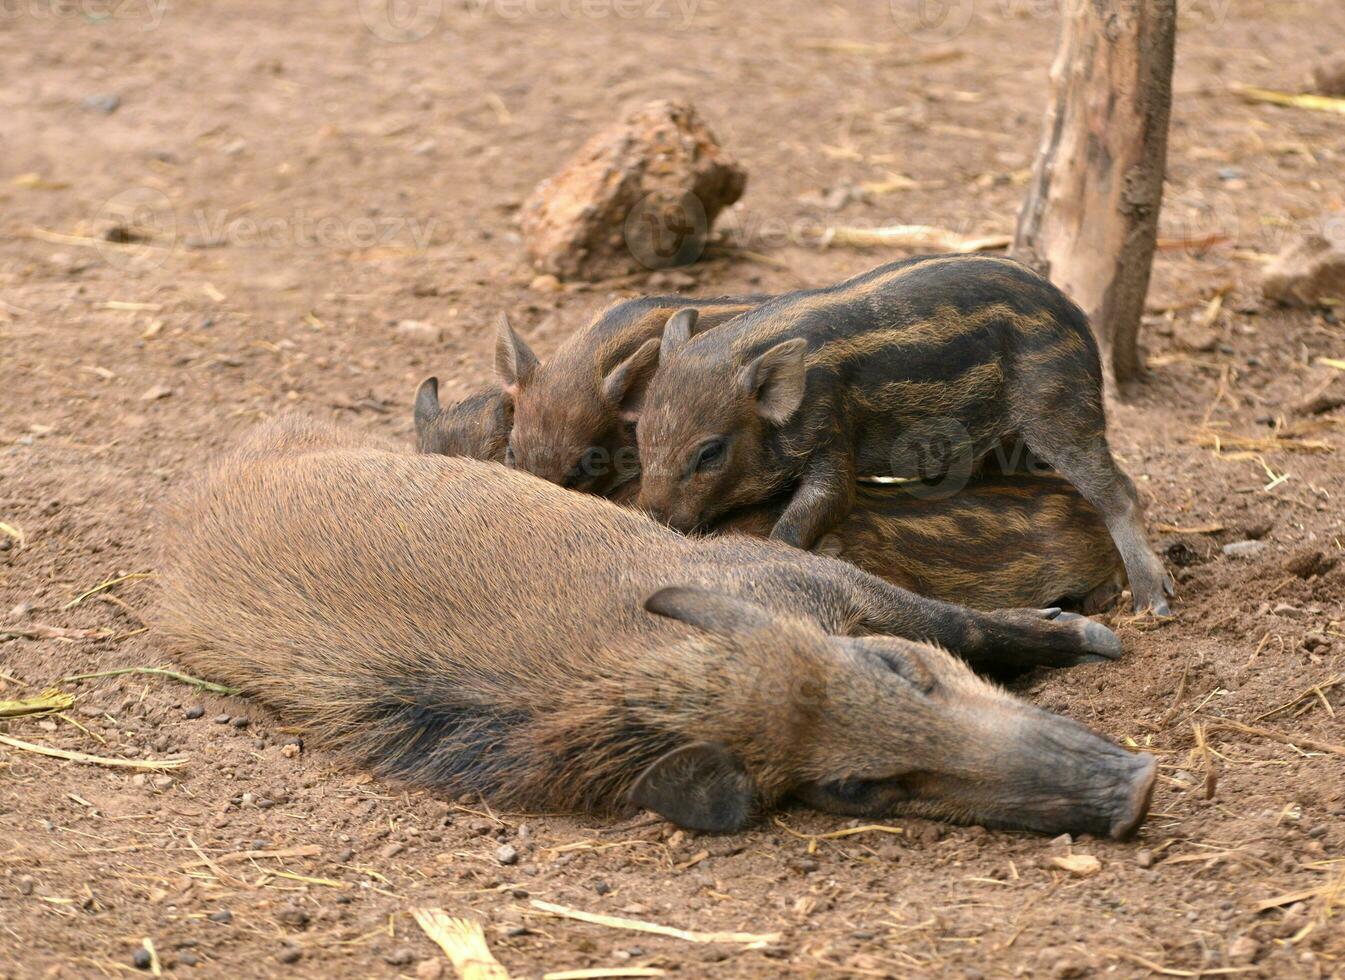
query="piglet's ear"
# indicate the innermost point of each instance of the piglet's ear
(715, 612)
(777, 380)
(515, 362)
(427, 404)
(701, 786)
(679, 328)
(626, 384)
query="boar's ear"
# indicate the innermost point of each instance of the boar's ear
(625, 385)
(701, 786)
(678, 330)
(714, 612)
(427, 404)
(777, 380)
(514, 360)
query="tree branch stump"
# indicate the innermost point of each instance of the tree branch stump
(1090, 221)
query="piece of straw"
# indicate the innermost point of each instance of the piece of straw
(463, 942)
(46, 702)
(912, 236)
(598, 972)
(638, 925)
(158, 672)
(95, 760)
(1295, 100)
(1224, 724)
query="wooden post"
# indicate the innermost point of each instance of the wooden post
(1090, 220)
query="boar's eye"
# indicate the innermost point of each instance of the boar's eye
(908, 669)
(709, 456)
(509, 459)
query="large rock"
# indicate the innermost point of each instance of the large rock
(642, 194)
(1309, 272)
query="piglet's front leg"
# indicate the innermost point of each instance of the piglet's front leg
(824, 495)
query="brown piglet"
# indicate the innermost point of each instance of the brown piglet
(917, 369)
(570, 417)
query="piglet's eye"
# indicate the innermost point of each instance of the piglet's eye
(509, 459)
(709, 456)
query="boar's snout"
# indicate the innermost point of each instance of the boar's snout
(1084, 783)
(1129, 817)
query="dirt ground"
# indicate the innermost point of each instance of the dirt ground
(312, 175)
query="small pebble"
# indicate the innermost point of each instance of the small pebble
(1244, 549)
(162, 782)
(240, 722)
(188, 959)
(289, 954)
(141, 959)
(26, 885)
(429, 970)
(194, 712)
(392, 850)
(293, 917)
(398, 957)
(221, 719)
(223, 916)
(1144, 857)
(602, 887)
(103, 104)
(506, 854)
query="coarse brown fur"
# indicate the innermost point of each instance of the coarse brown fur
(1002, 541)
(570, 419)
(919, 368)
(475, 629)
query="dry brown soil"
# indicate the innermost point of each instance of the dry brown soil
(309, 184)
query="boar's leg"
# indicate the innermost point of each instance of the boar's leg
(1005, 638)
(824, 494)
(1087, 462)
